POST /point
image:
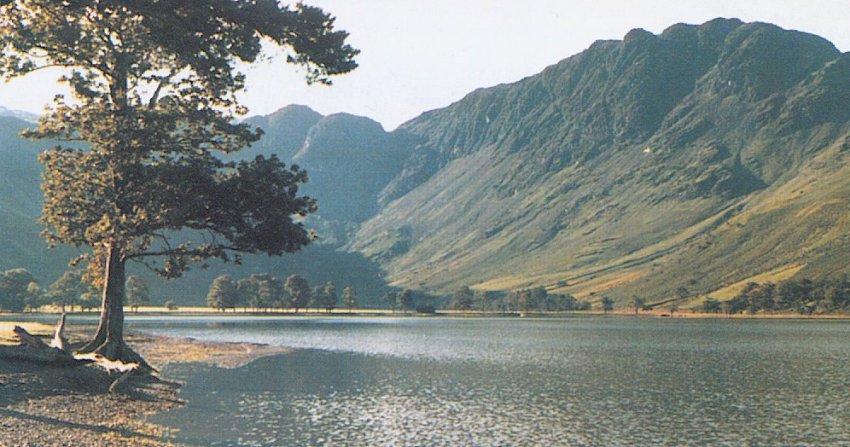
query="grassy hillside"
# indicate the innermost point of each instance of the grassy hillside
(700, 157)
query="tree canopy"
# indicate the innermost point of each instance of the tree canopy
(154, 100)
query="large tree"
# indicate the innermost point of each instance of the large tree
(154, 100)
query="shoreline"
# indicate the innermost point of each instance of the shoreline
(53, 406)
(30, 318)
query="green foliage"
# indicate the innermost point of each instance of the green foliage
(638, 303)
(607, 304)
(349, 298)
(391, 299)
(137, 292)
(537, 299)
(405, 299)
(330, 298)
(298, 290)
(712, 306)
(317, 297)
(15, 289)
(462, 299)
(155, 104)
(223, 293)
(155, 98)
(36, 296)
(258, 291)
(803, 296)
(68, 290)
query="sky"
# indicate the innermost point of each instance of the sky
(419, 55)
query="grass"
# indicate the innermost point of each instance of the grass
(774, 276)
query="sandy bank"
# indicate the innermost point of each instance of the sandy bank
(49, 406)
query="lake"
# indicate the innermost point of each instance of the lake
(605, 381)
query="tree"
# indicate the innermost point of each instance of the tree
(405, 299)
(67, 290)
(484, 299)
(537, 298)
(154, 89)
(36, 297)
(90, 299)
(522, 300)
(638, 303)
(682, 294)
(330, 297)
(712, 306)
(607, 304)
(462, 298)
(317, 297)
(247, 289)
(391, 298)
(15, 289)
(349, 298)
(298, 290)
(137, 291)
(223, 293)
(269, 291)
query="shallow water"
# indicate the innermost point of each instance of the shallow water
(518, 382)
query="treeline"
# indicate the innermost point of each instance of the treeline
(263, 292)
(803, 296)
(537, 299)
(21, 291)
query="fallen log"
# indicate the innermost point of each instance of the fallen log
(29, 340)
(32, 349)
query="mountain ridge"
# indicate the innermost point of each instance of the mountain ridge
(632, 147)
(701, 157)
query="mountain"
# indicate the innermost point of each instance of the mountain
(286, 133)
(350, 159)
(20, 206)
(20, 114)
(703, 157)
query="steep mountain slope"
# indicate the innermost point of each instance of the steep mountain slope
(628, 168)
(286, 132)
(20, 205)
(350, 159)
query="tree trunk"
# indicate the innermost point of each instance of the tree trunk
(109, 338)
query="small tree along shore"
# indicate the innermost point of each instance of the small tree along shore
(154, 102)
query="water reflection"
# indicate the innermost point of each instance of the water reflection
(523, 383)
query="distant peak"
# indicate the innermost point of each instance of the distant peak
(348, 119)
(637, 34)
(295, 109)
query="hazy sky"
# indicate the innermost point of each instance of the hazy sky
(424, 54)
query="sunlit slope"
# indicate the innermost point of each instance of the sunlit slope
(699, 158)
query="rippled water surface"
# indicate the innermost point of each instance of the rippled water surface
(519, 382)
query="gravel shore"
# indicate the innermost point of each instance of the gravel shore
(47, 406)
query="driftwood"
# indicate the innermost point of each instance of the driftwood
(59, 340)
(29, 340)
(33, 349)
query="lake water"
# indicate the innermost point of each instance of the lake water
(518, 382)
